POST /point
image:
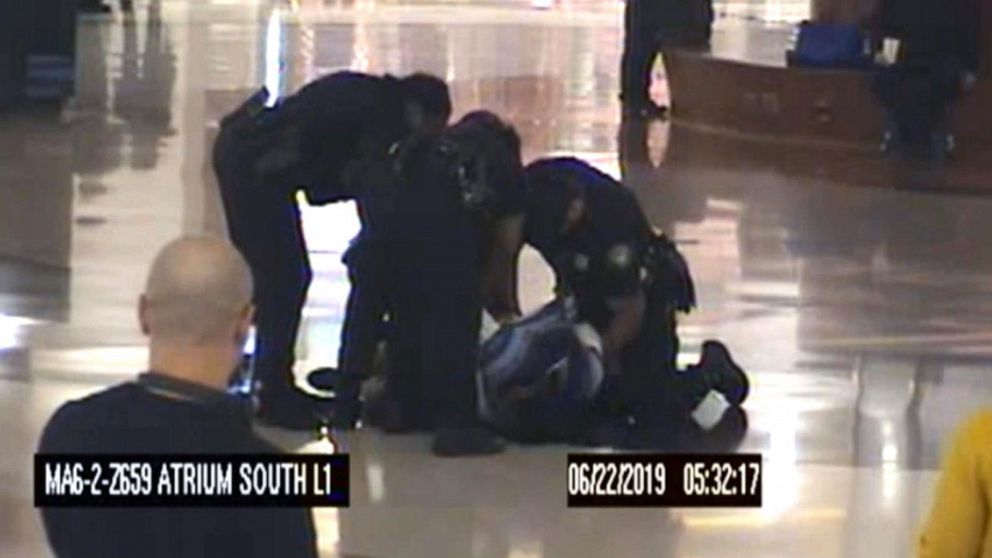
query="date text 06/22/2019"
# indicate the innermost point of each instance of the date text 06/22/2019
(664, 480)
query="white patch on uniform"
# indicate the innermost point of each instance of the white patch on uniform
(581, 262)
(710, 410)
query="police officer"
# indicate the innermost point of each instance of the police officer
(373, 182)
(457, 226)
(263, 157)
(495, 146)
(650, 25)
(628, 282)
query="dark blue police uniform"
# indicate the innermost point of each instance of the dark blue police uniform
(612, 253)
(336, 120)
(447, 202)
(372, 283)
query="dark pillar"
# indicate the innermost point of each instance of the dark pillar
(52, 56)
(13, 52)
(37, 50)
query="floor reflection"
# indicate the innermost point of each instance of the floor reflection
(857, 299)
(143, 92)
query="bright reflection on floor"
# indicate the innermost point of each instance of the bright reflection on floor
(780, 475)
(330, 534)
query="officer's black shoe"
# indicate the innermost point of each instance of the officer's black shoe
(466, 441)
(723, 374)
(323, 379)
(297, 412)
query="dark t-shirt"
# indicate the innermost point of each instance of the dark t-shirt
(165, 416)
(601, 259)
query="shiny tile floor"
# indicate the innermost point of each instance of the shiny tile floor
(862, 313)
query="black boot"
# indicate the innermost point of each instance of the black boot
(323, 379)
(721, 373)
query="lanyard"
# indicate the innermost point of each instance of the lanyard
(171, 388)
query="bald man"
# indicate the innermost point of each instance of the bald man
(196, 311)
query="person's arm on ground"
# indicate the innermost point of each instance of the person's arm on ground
(958, 519)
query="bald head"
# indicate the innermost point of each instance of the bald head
(198, 293)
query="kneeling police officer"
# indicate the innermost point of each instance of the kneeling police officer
(629, 282)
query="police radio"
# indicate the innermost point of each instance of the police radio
(668, 268)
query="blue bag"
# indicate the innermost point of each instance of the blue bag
(825, 45)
